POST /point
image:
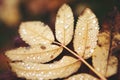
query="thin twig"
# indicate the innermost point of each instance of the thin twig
(79, 57)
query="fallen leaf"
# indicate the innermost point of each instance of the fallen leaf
(85, 38)
(112, 66)
(100, 55)
(106, 66)
(60, 69)
(64, 25)
(37, 53)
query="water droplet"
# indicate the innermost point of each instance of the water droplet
(68, 16)
(24, 31)
(28, 67)
(59, 32)
(94, 21)
(96, 27)
(61, 21)
(66, 26)
(34, 40)
(79, 48)
(34, 58)
(83, 28)
(79, 33)
(91, 50)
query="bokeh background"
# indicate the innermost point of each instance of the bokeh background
(13, 12)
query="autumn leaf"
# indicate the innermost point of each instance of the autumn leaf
(35, 33)
(64, 24)
(85, 38)
(112, 66)
(101, 52)
(37, 53)
(82, 76)
(66, 65)
(100, 56)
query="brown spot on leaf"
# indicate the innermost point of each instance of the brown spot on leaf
(87, 47)
(43, 47)
(51, 56)
(99, 45)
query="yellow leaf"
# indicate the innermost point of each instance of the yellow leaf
(112, 66)
(64, 25)
(100, 55)
(82, 76)
(36, 32)
(38, 53)
(60, 69)
(85, 38)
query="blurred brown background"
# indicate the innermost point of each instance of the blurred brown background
(13, 12)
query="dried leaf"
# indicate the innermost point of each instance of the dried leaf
(38, 53)
(99, 60)
(36, 32)
(112, 23)
(100, 55)
(117, 36)
(64, 24)
(115, 42)
(85, 38)
(63, 68)
(101, 52)
(112, 66)
(82, 76)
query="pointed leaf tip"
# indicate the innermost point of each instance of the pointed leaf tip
(64, 24)
(85, 38)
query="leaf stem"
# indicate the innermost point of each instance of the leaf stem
(80, 58)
